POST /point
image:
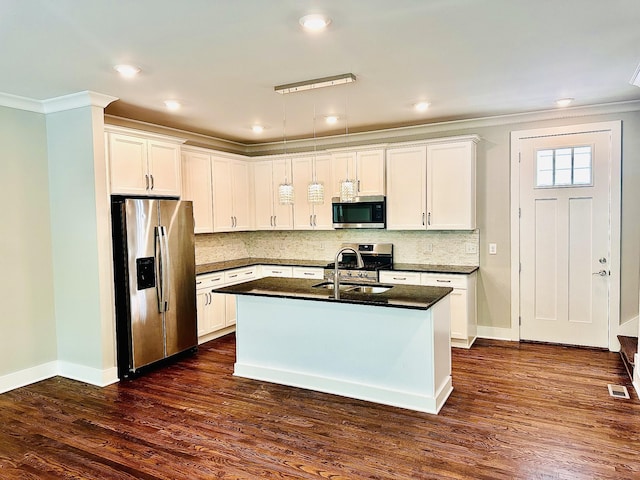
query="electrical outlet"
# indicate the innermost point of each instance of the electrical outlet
(493, 248)
(428, 248)
(470, 248)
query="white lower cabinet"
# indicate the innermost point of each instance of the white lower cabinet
(217, 312)
(308, 272)
(463, 299)
(276, 271)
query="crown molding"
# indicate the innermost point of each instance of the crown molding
(77, 100)
(56, 104)
(21, 103)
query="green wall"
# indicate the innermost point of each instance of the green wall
(27, 322)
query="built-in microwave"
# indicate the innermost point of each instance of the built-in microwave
(362, 212)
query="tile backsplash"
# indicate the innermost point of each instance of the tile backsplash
(409, 247)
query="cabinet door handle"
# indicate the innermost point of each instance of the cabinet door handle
(358, 186)
(233, 276)
(315, 224)
(429, 219)
(308, 273)
(275, 222)
(216, 279)
(152, 182)
(235, 220)
(422, 218)
(271, 220)
(399, 278)
(311, 220)
(248, 273)
(198, 283)
(443, 281)
(146, 180)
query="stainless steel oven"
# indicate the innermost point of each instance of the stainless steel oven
(376, 256)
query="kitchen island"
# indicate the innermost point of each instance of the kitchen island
(391, 347)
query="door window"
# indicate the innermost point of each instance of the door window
(564, 167)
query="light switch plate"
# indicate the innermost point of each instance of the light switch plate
(493, 248)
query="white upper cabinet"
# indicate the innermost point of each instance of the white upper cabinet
(267, 177)
(196, 186)
(432, 186)
(308, 216)
(451, 186)
(232, 196)
(366, 167)
(142, 165)
(406, 188)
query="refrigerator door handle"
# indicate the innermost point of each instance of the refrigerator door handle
(165, 261)
(159, 268)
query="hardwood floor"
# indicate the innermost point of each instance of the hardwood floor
(518, 411)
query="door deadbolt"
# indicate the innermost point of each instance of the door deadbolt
(603, 260)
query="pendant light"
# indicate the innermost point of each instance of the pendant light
(315, 190)
(347, 186)
(285, 189)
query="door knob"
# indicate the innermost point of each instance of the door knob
(602, 273)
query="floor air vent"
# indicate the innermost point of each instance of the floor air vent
(618, 391)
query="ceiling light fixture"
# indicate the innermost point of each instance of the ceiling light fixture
(172, 105)
(127, 71)
(316, 83)
(315, 22)
(564, 102)
(331, 119)
(315, 189)
(257, 128)
(422, 106)
(285, 189)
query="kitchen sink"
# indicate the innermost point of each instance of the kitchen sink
(350, 287)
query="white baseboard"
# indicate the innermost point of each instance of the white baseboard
(371, 393)
(28, 376)
(93, 376)
(496, 333)
(629, 328)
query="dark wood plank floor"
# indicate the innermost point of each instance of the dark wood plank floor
(518, 411)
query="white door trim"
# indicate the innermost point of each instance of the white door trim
(615, 129)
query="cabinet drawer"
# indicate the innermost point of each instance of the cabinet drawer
(406, 278)
(276, 271)
(240, 275)
(444, 280)
(210, 280)
(306, 272)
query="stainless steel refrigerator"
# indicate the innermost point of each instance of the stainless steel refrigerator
(154, 272)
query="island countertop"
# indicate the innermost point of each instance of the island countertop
(397, 296)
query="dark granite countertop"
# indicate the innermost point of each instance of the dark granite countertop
(406, 267)
(398, 296)
(426, 268)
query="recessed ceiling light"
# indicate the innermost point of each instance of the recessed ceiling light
(421, 106)
(315, 22)
(331, 119)
(172, 105)
(564, 102)
(127, 71)
(257, 128)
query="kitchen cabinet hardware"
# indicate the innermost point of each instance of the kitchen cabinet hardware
(153, 183)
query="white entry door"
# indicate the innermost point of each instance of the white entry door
(565, 250)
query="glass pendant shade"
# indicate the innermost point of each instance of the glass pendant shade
(285, 193)
(347, 190)
(315, 193)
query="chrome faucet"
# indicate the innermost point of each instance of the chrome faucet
(336, 277)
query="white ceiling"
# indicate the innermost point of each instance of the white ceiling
(222, 58)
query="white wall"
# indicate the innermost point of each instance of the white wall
(27, 322)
